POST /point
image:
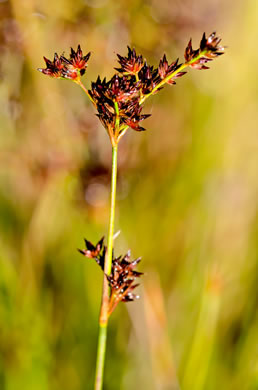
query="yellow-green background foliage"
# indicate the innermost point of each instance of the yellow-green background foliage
(187, 201)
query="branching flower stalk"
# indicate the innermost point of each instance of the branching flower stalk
(119, 104)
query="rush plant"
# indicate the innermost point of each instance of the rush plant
(119, 103)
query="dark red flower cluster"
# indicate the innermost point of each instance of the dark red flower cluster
(135, 80)
(119, 101)
(122, 280)
(122, 277)
(94, 252)
(209, 49)
(131, 64)
(166, 70)
(124, 91)
(54, 68)
(71, 68)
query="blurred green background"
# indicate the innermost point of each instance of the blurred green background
(187, 201)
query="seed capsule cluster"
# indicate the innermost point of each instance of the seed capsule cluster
(209, 49)
(119, 101)
(123, 274)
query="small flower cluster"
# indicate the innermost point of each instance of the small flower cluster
(166, 70)
(122, 277)
(71, 68)
(119, 101)
(209, 49)
(131, 64)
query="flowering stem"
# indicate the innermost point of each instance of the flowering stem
(104, 310)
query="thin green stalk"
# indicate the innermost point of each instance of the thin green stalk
(104, 310)
(108, 261)
(117, 124)
(85, 90)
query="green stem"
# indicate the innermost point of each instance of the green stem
(108, 261)
(104, 310)
(85, 90)
(117, 124)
